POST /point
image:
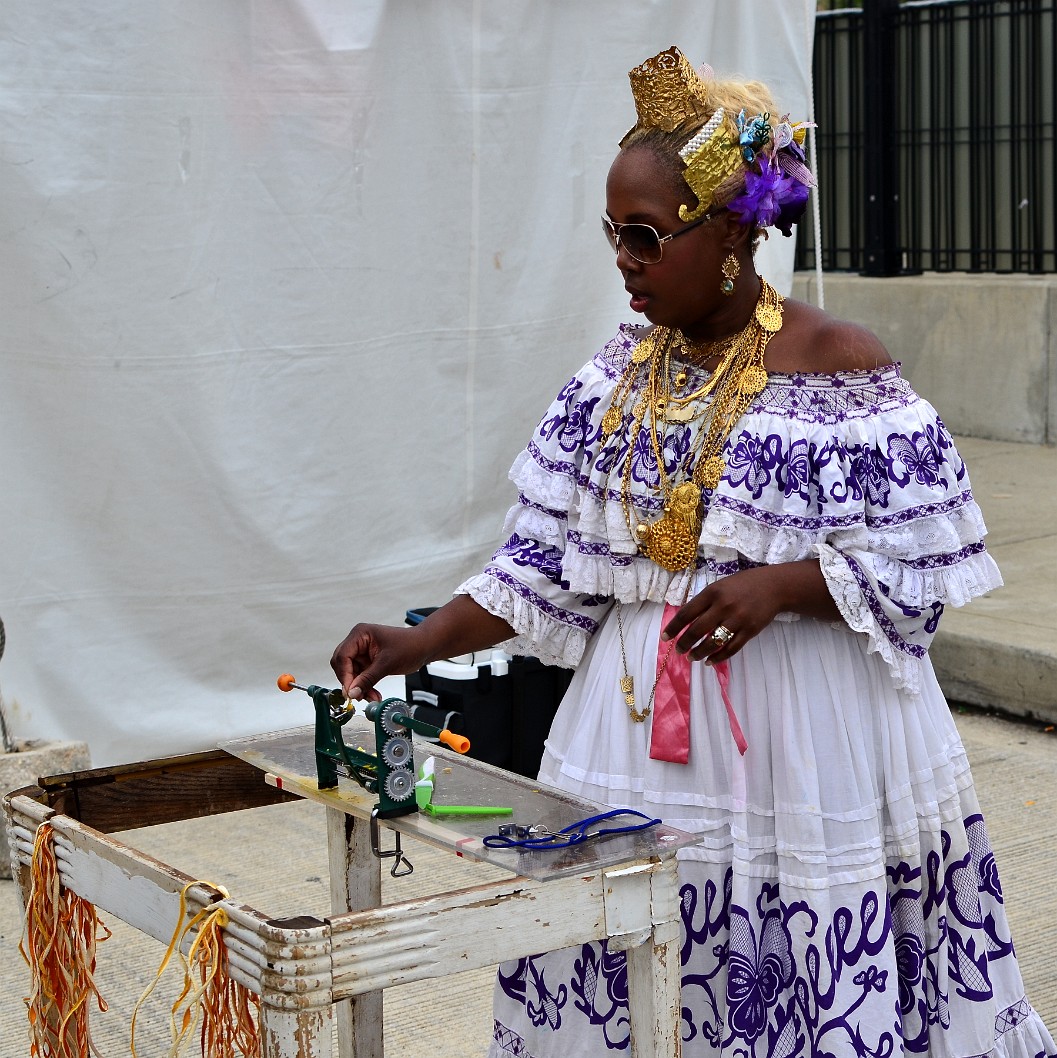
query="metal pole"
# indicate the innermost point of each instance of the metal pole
(880, 146)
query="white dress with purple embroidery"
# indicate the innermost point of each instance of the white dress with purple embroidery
(843, 899)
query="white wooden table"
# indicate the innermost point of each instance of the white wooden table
(335, 964)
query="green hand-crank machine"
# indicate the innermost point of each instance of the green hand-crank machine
(389, 770)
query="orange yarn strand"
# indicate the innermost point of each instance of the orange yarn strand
(59, 944)
(228, 1010)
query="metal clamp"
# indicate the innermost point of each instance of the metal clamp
(396, 854)
(519, 832)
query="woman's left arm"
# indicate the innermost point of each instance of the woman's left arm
(747, 602)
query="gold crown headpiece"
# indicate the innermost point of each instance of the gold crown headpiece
(668, 93)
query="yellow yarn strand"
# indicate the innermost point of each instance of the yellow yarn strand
(59, 943)
(227, 1010)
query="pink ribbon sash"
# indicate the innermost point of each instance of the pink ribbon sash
(670, 735)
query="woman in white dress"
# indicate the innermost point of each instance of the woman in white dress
(741, 526)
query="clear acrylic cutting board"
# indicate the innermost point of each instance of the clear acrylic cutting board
(289, 756)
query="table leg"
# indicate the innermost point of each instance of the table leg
(653, 994)
(295, 1033)
(654, 973)
(355, 885)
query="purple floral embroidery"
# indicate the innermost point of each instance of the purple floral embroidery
(868, 476)
(675, 450)
(611, 454)
(600, 981)
(933, 622)
(705, 917)
(872, 979)
(796, 477)
(989, 876)
(785, 1037)
(581, 434)
(750, 461)
(547, 1011)
(644, 461)
(920, 454)
(546, 1006)
(910, 957)
(980, 848)
(573, 429)
(907, 611)
(570, 389)
(530, 553)
(756, 974)
(991, 900)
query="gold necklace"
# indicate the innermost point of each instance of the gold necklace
(627, 681)
(672, 540)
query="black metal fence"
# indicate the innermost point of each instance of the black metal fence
(957, 99)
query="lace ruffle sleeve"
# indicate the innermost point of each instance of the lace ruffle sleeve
(860, 471)
(526, 582)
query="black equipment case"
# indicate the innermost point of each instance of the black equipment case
(504, 705)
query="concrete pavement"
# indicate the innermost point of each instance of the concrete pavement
(281, 868)
(1001, 652)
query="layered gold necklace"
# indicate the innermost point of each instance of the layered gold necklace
(671, 540)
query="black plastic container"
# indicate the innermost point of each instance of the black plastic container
(504, 707)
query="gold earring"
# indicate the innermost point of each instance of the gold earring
(730, 270)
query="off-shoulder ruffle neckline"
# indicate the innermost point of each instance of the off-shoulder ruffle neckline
(867, 375)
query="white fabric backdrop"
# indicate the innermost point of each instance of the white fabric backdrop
(287, 283)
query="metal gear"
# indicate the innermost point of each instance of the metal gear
(399, 784)
(386, 719)
(397, 751)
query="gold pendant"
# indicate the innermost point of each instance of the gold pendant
(611, 422)
(670, 543)
(644, 350)
(685, 502)
(627, 688)
(769, 317)
(711, 472)
(754, 380)
(684, 414)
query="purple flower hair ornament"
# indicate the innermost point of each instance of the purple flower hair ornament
(770, 197)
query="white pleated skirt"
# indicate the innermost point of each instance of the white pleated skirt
(843, 898)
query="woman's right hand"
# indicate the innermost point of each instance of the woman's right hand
(370, 652)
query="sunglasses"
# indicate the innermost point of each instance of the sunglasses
(642, 241)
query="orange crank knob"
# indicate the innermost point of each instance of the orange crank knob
(286, 682)
(459, 743)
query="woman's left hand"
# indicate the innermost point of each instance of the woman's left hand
(745, 603)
